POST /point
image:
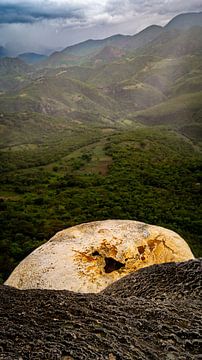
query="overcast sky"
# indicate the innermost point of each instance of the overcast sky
(39, 25)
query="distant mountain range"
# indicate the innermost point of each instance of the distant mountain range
(74, 53)
(119, 41)
(81, 52)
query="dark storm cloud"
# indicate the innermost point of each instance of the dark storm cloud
(47, 24)
(89, 11)
(30, 12)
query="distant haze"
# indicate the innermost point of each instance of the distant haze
(47, 25)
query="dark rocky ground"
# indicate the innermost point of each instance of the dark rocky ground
(154, 313)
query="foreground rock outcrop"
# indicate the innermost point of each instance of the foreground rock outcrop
(89, 257)
(154, 313)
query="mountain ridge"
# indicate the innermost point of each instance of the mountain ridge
(185, 21)
(134, 41)
(181, 21)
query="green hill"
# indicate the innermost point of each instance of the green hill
(56, 95)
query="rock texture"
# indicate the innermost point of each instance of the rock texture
(89, 257)
(154, 313)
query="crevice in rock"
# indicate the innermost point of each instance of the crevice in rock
(112, 265)
(95, 253)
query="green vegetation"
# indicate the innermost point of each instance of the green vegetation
(146, 175)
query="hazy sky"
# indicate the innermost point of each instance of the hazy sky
(37, 25)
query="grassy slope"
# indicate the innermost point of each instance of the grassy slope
(56, 94)
(182, 112)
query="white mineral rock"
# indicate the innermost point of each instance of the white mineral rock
(91, 256)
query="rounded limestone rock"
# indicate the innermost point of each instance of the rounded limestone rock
(91, 256)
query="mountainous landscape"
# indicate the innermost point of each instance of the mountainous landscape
(104, 129)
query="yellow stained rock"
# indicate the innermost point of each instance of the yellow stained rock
(89, 257)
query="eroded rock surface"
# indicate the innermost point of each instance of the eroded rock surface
(154, 313)
(91, 256)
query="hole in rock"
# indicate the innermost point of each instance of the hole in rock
(95, 253)
(112, 265)
(141, 249)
